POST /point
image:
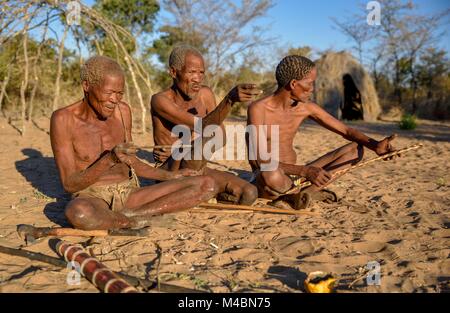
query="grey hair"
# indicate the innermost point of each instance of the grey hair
(292, 67)
(177, 57)
(96, 67)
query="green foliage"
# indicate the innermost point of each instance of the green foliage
(171, 36)
(408, 122)
(305, 51)
(138, 16)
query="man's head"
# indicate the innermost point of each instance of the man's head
(103, 83)
(187, 68)
(297, 74)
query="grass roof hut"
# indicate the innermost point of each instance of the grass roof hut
(345, 89)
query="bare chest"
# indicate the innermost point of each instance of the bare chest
(91, 139)
(287, 122)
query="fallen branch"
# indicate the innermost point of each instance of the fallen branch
(256, 209)
(134, 281)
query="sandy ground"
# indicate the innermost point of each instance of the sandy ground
(395, 213)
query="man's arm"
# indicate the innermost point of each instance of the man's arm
(216, 114)
(255, 117)
(171, 112)
(126, 153)
(325, 119)
(71, 179)
(240, 93)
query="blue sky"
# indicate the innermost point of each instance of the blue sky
(308, 22)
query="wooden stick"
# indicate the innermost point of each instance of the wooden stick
(257, 209)
(135, 281)
(163, 147)
(351, 168)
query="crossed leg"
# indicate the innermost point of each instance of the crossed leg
(166, 197)
(333, 161)
(241, 191)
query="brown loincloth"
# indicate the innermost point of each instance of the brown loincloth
(115, 195)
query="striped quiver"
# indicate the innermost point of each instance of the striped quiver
(97, 273)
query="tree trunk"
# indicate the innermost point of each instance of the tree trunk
(24, 84)
(59, 71)
(413, 85)
(97, 45)
(139, 94)
(35, 74)
(397, 89)
(4, 84)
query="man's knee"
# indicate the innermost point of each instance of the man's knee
(249, 194)
(208, 184)
(277, 180)
(78, 212)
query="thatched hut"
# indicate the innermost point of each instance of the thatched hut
(345, 89)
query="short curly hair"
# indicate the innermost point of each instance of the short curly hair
(177, 57)
(96, 67)
(292, 67)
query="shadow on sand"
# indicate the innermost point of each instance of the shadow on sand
(43, 175)
(41, 172)
(290, 276)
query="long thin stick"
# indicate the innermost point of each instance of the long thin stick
(253, 208)
(135, 281)
(351, 168)
(163, 147)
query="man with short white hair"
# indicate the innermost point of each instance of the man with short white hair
(186, 100)
(91, 141)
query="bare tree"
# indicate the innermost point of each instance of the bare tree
(417, 34)
(35, 71)
(225, 28)
(357, 30)
(24, 84)
(402, 36)
(59, 70)
(14, 15)
(4, 85)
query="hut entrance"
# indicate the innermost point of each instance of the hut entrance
(352, 107)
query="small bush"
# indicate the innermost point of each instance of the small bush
(408, 122)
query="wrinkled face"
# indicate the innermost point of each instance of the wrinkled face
(106, 95)
(189, 79)
(302, 89)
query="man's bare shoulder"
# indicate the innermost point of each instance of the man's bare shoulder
(161, 97)
(62, 120)
(68, 112)
(124, 107)
(312, 107)
(260, 104)
(206, 92)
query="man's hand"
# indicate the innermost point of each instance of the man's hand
(317, 175)
(384, 146)
(244, 93)
(125, 152)
(185, 172)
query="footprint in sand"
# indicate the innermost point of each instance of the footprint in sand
(369, 246)
(294, 246)
(441, 233)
